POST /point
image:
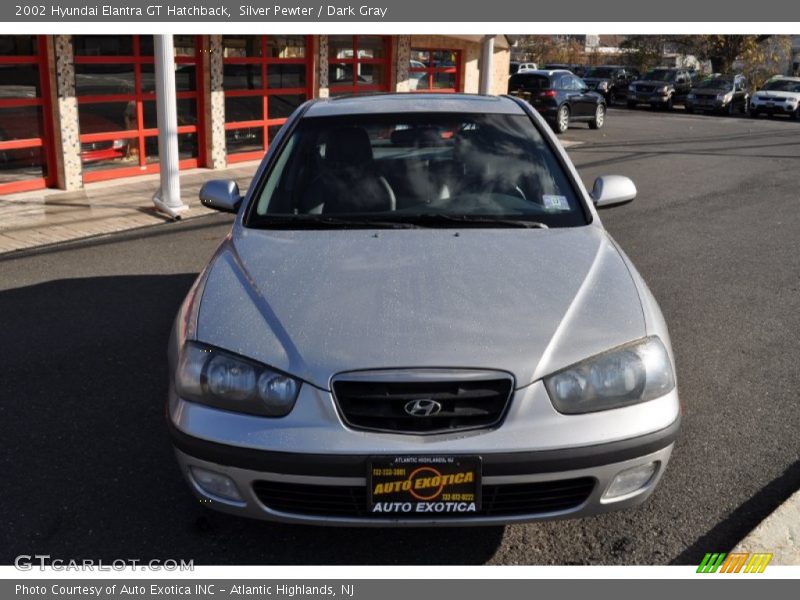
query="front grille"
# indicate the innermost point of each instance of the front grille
(536, 498)
(645, 88)
(458, 404)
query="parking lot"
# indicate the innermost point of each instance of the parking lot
(88, 469)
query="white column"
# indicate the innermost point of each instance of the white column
(487, 58)
(168, 197)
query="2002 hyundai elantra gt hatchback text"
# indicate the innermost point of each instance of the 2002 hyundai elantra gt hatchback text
(418, 318)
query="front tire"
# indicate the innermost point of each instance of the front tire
(599, 117)
(562, 119)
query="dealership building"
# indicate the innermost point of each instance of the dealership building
(76, 109)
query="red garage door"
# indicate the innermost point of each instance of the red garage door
(265, 79)
(115, 86)
(25, 119)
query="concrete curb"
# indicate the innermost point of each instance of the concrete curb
(779, 534)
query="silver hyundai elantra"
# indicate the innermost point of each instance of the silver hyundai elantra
(418, 318)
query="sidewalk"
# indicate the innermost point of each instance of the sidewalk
(45, 217)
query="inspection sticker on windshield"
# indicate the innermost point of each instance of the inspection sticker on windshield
(552, 202)
(424, 485)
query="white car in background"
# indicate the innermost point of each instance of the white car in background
(779, 96)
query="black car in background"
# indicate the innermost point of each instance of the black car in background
(560, 97)
(722, 94)
(611, 81)
(576, 69)
(661, 87)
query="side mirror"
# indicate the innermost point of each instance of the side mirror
(610, 190)
(222, 195)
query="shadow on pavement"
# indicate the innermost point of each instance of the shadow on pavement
(744, 519)
(88, 470)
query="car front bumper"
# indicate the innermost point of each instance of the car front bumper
(330, 461)
(773, 108)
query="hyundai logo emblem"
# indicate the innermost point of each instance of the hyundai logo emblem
(423, 408)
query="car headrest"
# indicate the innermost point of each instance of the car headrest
(348, 146)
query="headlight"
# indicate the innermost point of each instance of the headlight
(663, 89)
(631, 88)
(212, 376)
(691, 97)
(603, 85)
(726, 97)
(630, 374)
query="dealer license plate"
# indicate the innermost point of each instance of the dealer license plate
(432, 486)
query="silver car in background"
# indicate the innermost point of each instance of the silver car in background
(418, 318)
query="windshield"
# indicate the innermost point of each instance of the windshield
(782, 85)
(716, 84)
(527, 81)
(426, 170)
(659, 75)
(601, 73)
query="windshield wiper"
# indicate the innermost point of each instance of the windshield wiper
(471, 221)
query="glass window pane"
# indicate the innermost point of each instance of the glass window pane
(246, 108)
(420, 56)
(110, 154)
(281, 106)
(184, 45)
(242, 77)
(20, 123)
(273, 131)
(185, 78)
(102, 45)
(444, 58)
(249, 139)
(370, 74)
(146, 45)
(241, 46)
(286, 46)
(187, 113)
(97, 80)
(371, 46)
(19, 81)
(106, 116)
(18, 45)
(22, 164)
(187, 147)
(444, 80)
(286, 76)
(340, 46)
(340, 74)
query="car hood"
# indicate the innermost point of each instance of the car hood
(776, 94)
(706, 91)
(653, 82)
(317, 303)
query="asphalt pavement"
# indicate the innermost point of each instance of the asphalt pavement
(87, 468)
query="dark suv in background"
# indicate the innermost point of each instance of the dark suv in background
(560, 97)
(723, 94)
(611, 81)
(661, 87)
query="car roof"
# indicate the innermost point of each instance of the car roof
(784, 78)
(545, 72)
(413, 103)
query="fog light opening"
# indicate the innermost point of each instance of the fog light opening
(215, 484)
(631, 480)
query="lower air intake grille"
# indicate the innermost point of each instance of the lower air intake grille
(351, 501)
